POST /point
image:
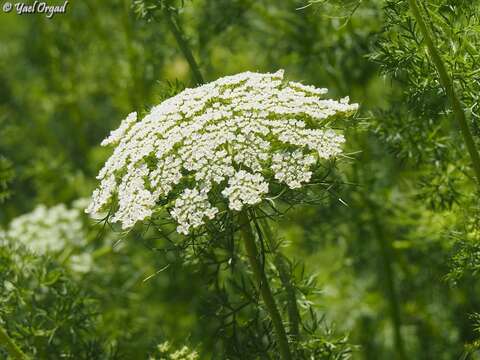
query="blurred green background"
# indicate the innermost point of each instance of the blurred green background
(394, 249)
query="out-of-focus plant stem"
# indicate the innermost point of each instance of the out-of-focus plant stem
(8, 344)
(263, 285)
(281, 264)
(388, 273)
(182, 43)
(135, 89)
(447, 83)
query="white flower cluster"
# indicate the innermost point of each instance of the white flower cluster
(293, 169)
(245, 188)
(191, 208)
(47, 229)
(52, 230)
(230, 133)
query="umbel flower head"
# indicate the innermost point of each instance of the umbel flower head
(48, 229)
(233, 137)
(52, 230)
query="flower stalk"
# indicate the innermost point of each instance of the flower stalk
(263, 285)
(447, 83)
(282, 267)
(183, 44)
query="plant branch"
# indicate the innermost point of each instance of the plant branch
(262, 283)
(12, 348)
(182, 43)
(447, 83)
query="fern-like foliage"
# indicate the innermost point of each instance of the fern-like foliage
(44, 310)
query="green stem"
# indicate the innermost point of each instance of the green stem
(391, 291)
(135, 91)
(282, 267)
(447, 84)
(262, 283)
(183, 44)
(12, 348)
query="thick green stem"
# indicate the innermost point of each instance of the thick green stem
(263, 286)
(182, 43)
(285, 277)
(447, 83)
(8, 344)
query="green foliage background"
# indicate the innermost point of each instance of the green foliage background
(395, 250)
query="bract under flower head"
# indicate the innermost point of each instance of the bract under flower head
(238, 133)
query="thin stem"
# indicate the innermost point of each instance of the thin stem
(12, 348)
(285, 277)
(182, 43)
(135, 91)
(447, 84)
(262, 283)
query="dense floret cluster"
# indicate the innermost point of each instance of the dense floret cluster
(239, 133)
